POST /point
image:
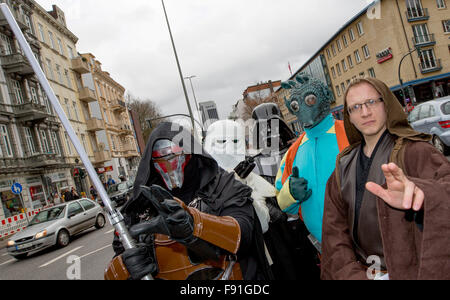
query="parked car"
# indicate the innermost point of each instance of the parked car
(55, 226)
(121, 192)
(433, 117)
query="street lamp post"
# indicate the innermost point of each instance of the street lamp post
(179, 68)
(193, 93)
(399, 71)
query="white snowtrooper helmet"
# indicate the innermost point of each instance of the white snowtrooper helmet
(225, 142)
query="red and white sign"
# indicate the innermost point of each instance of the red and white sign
(12, 225)
(384, 55)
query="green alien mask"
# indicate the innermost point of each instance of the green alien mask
(309, 101)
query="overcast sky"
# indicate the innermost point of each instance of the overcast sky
(228, 44)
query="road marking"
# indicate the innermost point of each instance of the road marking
(112, 230)
(7, 262)
(95, 251)
(5, 254)
(59, 257)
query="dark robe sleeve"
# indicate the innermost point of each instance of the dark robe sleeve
(430, 171)
(338, 260)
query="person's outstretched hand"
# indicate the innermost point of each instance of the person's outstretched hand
(401, 193)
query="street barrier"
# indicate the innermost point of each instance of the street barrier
(12, 225)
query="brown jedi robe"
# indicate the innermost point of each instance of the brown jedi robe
(409, 252)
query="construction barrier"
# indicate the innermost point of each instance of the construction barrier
(12, 225)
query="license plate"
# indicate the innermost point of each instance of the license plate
(23, 246)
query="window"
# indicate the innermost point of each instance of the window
(427, 59)
(87, 204)
(6, 44)
(49, 69)
(66, 102)
(446, 25)
(52, 42)
(441, 4)
(338, 90)
(45, 144)
(333, 49)
(339, 46)
(66, 74)
(30, 141)
(371, 72)
(415, 9)
(83, 139)
(421, 34)
(344, 39)
(58, 71)
(75, 109)
(34, 96)
(70, 50)
(69, 148)
(41, 32)
(28, 22)
(362, 75)
(366, 51)
(350, 61)
(351, 33)
(61, 51)
(55, 141)
(74, 209)
(48, 105)
(333, 72)
(344, 65)
(357, 56)
(18, 92)
(360, 28)
(328, 53)
(343, 87)
(6, 141)
(424, 112)
(338, 67)
(106, 116)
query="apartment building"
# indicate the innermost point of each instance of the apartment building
(382, 41)
(31, 143)
(109, 123)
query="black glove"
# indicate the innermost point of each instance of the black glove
(139, 262)
(298, 187)
(244, 168)
(275, 212)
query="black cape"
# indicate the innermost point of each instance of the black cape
(216, 190)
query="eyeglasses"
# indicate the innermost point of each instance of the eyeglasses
(369, 104)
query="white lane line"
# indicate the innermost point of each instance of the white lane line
(59, 257)
(110, 231)
(95, 251)
(7, 262)
(5, 254)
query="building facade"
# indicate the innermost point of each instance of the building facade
(209, 113)
(382, 41)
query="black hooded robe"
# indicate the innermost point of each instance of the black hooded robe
(216, 193)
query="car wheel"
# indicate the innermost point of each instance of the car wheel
(100, 222)
(20, 256)
(63, 238)
(439, 145)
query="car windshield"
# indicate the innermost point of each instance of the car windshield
(446, 108)
(48, 215)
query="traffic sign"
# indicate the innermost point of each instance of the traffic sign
(16, 188)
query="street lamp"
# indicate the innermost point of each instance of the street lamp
(416, 48)
(195, 98)
(179, 68)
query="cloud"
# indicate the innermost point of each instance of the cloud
(227, 44)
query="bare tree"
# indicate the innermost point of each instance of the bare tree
(145, 109)
(254, 101)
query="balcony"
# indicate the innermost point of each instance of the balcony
(80, 66)
(16, 63)
(19, 19)
(417, 14)
(31, 112)
(424, 40)
(94, 124)
(15, 164)
(118, 106)
(430, 66)
(125, 131)
(101, 157)
(87, 95)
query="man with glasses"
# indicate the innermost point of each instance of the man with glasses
(387, 202)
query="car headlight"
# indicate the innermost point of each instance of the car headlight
(11, 243)
(41, 234)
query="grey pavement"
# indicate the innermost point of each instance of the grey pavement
(3, 243)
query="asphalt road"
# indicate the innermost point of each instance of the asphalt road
(85, 258)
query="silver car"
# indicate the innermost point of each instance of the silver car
(55, 226)
(433, 117)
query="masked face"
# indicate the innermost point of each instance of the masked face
(225, 142)
(170, 162)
